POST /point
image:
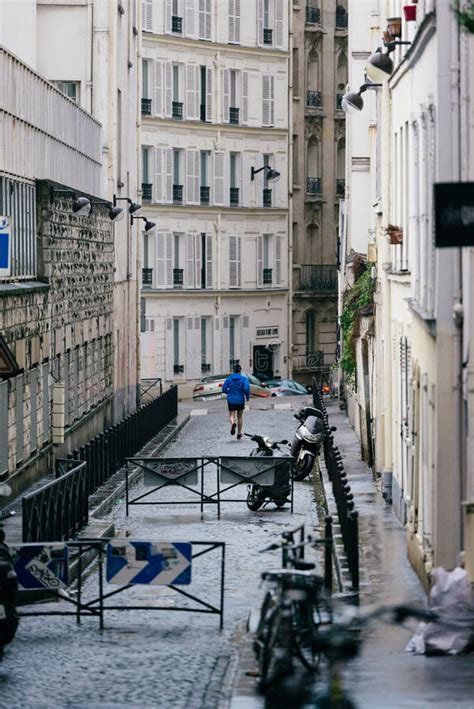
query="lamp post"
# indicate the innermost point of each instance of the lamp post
(352, 101)
(272, 175)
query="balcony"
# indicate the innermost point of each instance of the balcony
(178, 368)
(234, 116)
(233, 362)
(146, 191)
(146, 106)
(234, 196)
(318, 279)
(177, 194)
(267, 276)
(267, 197)
(176, 24)
(147, 276)
(205, 368)
(314, 99)
(178, 277)
(340, 188)
(313, 15)
(205, 195)
(313, 185)
(267, 36)
(177, 110)
(341, 18)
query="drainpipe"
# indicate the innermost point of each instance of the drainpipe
(289, 357)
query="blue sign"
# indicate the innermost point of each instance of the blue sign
(5, 246)
(41, 566)
(161, 563)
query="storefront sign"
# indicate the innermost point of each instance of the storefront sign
(454, 214)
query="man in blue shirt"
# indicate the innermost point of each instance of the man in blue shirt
(237, 388)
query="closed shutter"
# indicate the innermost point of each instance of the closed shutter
(219, 178)
(159, 182)
(190, 92)
(190, 26)
(192, 177)
(208, 94)
(259, 261)
(209, 271)
(260, 23)
(193, 349)
(169, 352)
(169, 260)
(217, 363)
(245, 97)
(266, 99)
(231, 20)
(225, 95)
(167, 16)
(160, 267)
(236, 21)
(205, 19)
(158, 95)
(272, 100)
(225, 351)
(197, 260)
(278, 244)
(279, 17)
(234, 261)
(168, 175)
(168, 72)
(147, 15)
(190, 241)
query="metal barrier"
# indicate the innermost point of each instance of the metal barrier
(299, 547)
(188, 473)
(348, 516)
(107, 452)
(58, 509)
(128, 563)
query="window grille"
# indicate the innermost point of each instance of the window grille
(18, 202)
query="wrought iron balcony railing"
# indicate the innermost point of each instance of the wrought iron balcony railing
(177, 194)
(267, 276)
(341, 19)
(176, 24)
(202, 113)
(177, 109)
(233, 362)
(267, 197)
(267, 36)
(314, 359)
(318, 278)
(146, 106)
(314, 99)
(178, 368)
(205, 367)
(146, 190)
(147, 276)
(313, 185)
(340, 188)
(339, 101)
(178, 277)
(234, 115)
(234, 196)
(313, 15)
(205, 195)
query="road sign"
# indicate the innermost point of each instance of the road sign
(180, 469)
(157, 563)
(261, 470)
(5, 246)
(8, 364)
(41, 566)
(454, 214)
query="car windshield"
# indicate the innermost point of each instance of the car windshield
(274, 383)
(214, 378)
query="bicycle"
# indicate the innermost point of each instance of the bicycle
(291, 611)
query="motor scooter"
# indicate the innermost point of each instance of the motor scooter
(307, 441)
(278, 493)
(8, 590)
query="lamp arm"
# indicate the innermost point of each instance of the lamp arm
(366, 86)
(254, 172)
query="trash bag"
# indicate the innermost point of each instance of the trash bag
(451, 601)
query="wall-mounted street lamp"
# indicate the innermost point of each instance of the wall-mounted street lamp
(379, 65)
(134, 207)
(148, 225)
(272, 175)
(352, 101)
(82, 206)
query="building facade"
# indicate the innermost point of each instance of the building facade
(319, 78)
(214, 121)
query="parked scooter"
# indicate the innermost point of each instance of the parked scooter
(8, 590)
(281, 488)
(307, 441)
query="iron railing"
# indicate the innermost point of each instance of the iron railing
(178, 274)
(205, 195)
(202, 111)
(340, 188)
(176, 24)
(205, 367)
(234, 196)
(319, 278)
(267, 276)
(146, 106)
(348, 516)
(176, 109)
(146, 190)
(314, 99)
(234, 115)
(267, 197)
(267, 36)
(177, 194)
(341, 18)
(147, 276)
(339, 98)
(313, 185)
(178, 368)
(59, 509)
(313, 15)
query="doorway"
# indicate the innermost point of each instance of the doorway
(262, 362)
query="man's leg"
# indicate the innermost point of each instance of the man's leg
(240, 420)
(232, 422)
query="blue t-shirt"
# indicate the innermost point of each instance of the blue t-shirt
(237, 388)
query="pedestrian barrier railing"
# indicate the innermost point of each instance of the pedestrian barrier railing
(297, 542)
(207, 480)
(58, 509)
(347, 514)
(126, 563)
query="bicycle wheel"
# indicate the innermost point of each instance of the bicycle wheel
(304, 629)
(263, 627)
(276, 656)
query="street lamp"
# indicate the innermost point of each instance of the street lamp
(379, 66)
(148, 225)
(352, 101)
(134, 207)
(82, 206)
(271, 176)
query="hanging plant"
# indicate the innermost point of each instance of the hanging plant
(361, 294)
(465, 16)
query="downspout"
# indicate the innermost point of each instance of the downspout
(289, 357)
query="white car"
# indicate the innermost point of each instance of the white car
(211, 387)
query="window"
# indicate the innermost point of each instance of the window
(204, 177)
(234, 178)
(269, 260)
(234, 102)
(69, 89)
(146, 173)
(146, 88)
(234, 21)
(203, 95)
(147, 272)
(176, 17)
(177, 177)
(270, 23)
(268, 100)
(18, 203)
(234, 340)
(178, 261)
(178, 367)
(206, 345)
(177, 104)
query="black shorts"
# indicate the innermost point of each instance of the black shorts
(235, 407)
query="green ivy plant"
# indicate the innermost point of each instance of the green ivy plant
(465, 16)
(361, 294)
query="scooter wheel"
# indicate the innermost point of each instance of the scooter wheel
(302, 470)
(255, 498)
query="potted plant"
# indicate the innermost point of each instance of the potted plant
(394, 26)
(410, 12)
(394, 234)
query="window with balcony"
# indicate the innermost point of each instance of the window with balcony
(313, 93)
(267, 23)
(176, 17)
(313, 14)
(177, 103)
(313, 181)
(234, 179)
(146, 87)
(205, 94)
(268, 161)
(269, 260)
(177, 176)
(146, 174)
(178, 348)
(205, 190)
(206, 345)
(341, 79)
(341, 18)
(340, 168)
(234, 101)
(234, 341)
(178, 260)
(147, 271)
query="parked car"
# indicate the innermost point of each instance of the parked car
(211, 387)
(285, 387)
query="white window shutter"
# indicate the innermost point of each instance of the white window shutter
(167, 16)
(159, 182)
(259, 260)
(193, 349)
(217, 364)
(205, 19)
(190, 238)
(208, 94)
(231, 20)
(279, 17)
(190, 26)
(168, 175)
(190, 92)
(237, 21)
(225, 95)
(209, 261)
(158, 94)
(160, 246)
(197, 191)
(192, 177)
(197, 91)
(266, 99)
(232, 261)
(245, 97)
(260, 23)
(239, 261)
(208, 19)
(219, 179)
(147, 15)
(197, 260)
(272, 100)
(278, 243)
(169, 349)
(168, 71)
(169, 260)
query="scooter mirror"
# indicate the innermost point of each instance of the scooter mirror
(333, 428)
(5, 490)
(284, 442)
